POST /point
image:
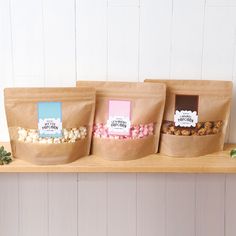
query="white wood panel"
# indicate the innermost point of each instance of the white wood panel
(33, 204)
(231, 132)
(27, 41)
(155, 38)
(230, 206)
(59, 37)
(232, 125)
(6, 74)
(123, 3)
(151, 199)
(219, 51)
(92, 204)
(9, 218)
(121, 205)
(219, 43)
(221, 3)
(210, 205)
(180, 205)
(91, 39)
(123, 43)
(186, 46)
(62, 204)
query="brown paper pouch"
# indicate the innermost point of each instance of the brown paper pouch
(128, 149)
(198, 145)
(77, 107)
(214, 100)
(147, 106)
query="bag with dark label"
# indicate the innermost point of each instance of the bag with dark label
(127, 119)
(196, 116)
(50, 125)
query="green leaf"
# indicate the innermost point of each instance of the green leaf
(233, 153)
(5, 157)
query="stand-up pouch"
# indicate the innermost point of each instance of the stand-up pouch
(196, 116)
(50, 125)
(127, 119)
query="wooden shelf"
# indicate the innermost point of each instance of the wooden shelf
(219, 162)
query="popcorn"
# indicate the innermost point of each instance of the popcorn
(68, 136)
(202, 128)
(136, 131)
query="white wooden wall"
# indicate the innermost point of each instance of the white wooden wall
(56, 42)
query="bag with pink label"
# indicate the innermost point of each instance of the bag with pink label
(196, 116)
(128, 118)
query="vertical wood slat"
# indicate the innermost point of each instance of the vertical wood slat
(33, 204)
(91, 39)
(219, 51)
(59, 42)
(230, 206)
(123, 43)
(155, 38)
(9, 214)
(92, 204)
(219, 43)
(232, 124)
(6, 65)
(123, 3)
(151, 204)
(27, 39)
(210, 190)
(180, 205)
(221, 3)
(121, 205)
(62, 204)
(27, 56)
(186, 46)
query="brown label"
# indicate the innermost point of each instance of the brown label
(186, 110)
(186, 102)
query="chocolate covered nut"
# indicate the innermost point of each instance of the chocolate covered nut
(172, 128)
(201, 131)
(177, 132)
(199, 125)
(165, 128)
(202, 128)
(193, 132)
(208, 125)
(185, 132)
(218, 124)
(208, 131)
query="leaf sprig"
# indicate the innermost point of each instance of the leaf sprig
(233, 153)
(5, 157)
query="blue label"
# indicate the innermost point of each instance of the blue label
(50, 119)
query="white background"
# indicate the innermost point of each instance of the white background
(55, 43)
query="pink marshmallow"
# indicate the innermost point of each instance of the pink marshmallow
(136, 131)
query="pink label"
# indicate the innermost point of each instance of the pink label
(119, 117)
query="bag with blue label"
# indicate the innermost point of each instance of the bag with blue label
(127, 119)
(196, 116)
(50, 125)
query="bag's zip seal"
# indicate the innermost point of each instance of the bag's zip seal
(129, 94)
(39, 99)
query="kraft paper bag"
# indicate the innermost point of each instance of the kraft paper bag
(50, 140)
(141, 104)
(196, 116)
